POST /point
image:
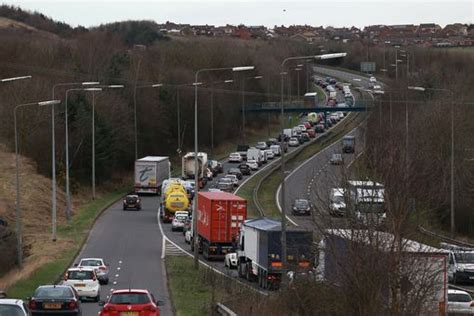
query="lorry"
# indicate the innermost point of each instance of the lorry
(150, 172)
(174, 199)
(366, 201)
(259, 251)
(188, 167)
(348, 144)
(311, 99)
(348, 256)
(312, 118)
(219, 218)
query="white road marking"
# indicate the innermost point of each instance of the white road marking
(115, 283)
(116, 275)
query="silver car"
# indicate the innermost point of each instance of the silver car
(100, 267)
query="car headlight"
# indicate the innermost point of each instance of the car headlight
(294, 208)
(460, 269)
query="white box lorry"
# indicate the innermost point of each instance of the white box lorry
(150, 172)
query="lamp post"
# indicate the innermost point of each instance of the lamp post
(282, 159)
(53, 157)
(243, 104)
(17, 176)
(196, 177)
(93, 90)
(212, 110)
(178, 105)
(298, 69)
(451, 94)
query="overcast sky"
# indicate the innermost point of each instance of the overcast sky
(255, 12)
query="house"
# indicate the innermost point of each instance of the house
(428, 28)
(456, 29)
(242, 32)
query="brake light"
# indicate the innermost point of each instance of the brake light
(65, 276)
(472, 303)
(103, 268)
(32, 304)
(277, 264)
(72, 305)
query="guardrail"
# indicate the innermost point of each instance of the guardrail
(221, 309)
(426, 232)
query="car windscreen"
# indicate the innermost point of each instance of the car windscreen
(129, 298)
(338, 199)
(301, 203)
(225, 180)
(10, 310)
(458, 297)
(464, 257)
(80, 275)
(181, 218)
(91, 263)
(53, 292)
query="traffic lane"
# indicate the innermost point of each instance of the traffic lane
(314, 179)
(130, 242)
(349, 77)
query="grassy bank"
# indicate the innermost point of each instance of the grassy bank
(196, 292)
(74, 235)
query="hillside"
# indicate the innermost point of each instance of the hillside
(12, 25)
(36, 212)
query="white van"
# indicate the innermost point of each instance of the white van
(337, 204)
(255, 154)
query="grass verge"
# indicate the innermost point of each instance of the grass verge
(75, 235)
(196, 292)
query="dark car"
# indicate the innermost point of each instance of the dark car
(225, 184)
(132, 201)
(242, 150)
(328, 123)
(244, 169)
(301, 207)
(283, 137)
(235, 171)
(55, 300)
(305, 137)
(300, 139)
(319, 128)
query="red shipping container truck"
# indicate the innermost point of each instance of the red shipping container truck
(219, 218)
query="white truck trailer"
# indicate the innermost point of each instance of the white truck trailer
(150, 172)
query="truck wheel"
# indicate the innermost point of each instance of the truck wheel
(247, 272)
(192, 245)
(240, 269)
(205, 251)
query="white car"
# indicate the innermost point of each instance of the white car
(270, 154)
(341, 115)
(261, 145)
(372, 79)
(252, 163)
(235, 157)
(302, 127)
(293, 142)
(233, 178)
(230, 260)
(179, 220)
(337, 203)
(276, 150)
(214, 190)
(100, 267)
(336, 159)
(84, 281)
(14, 307)
(460, 302)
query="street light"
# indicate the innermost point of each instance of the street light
(451, 94)
(196, 178)
(53, 159)
(243, 104)
(282, 159)
(17, 175)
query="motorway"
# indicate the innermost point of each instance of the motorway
(131, 243)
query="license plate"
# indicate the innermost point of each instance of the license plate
(471, 278)
(52, 305)
(80, 285)
(128, 313)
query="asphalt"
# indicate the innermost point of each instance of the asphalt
(130, 242)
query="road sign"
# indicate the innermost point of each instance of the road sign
(366, 66)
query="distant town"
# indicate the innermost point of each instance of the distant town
(426, 35)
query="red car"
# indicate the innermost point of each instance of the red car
(131, 302)
(311, 132)
(307, 125)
